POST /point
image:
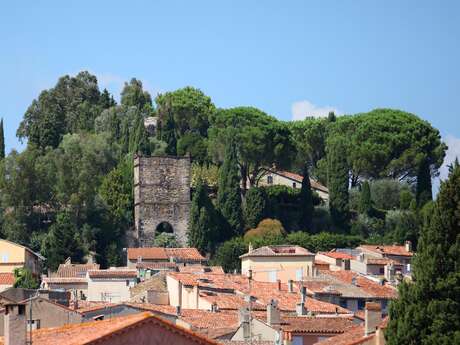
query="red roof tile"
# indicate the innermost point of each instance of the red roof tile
(92, 332)
(337, 255)
(113, 273)
(66, 280)
(74, 270)
(6, 278)
(185, 254)
(158, 253)
(305, 324)
(387, 250)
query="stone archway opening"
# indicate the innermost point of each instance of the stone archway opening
(164, 227)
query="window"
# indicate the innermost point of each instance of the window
(5, 257)
(272, 276)
(382, 270)
(127, 283)
(298, 274)
(270, 179)
(294, 185)
(35, 324)
(361, 304)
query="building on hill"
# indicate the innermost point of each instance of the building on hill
(399, 255)
(336, 260)
(111, 285)
(369, 333)
(159, 258)
(141, 329)
(271, 263)
(273, 177)
(70, 277)
(13, 255)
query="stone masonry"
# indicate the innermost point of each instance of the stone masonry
(161, 194)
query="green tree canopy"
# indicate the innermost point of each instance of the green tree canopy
(256, 207)
(365, 201)
(427, 309)
(133, 95)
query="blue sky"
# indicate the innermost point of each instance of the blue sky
(288, 58)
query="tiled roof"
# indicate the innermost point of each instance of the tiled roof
(371, 261)
(299, 178)
(66, 280)
(74, 270)
(282, 250)
(200, 269)
(6, 278)
(158, 253)
(92, 332)
(156, 265)
(87, 306)
(305, 324)
(226, 300)
(387, 250)
(337, 255)
(113, 273)
(370, 287)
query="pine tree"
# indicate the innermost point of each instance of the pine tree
(256, 207)
(306, 201)
(365, 202)
(228, 193)
(203, 223)
(337, 169)
(424, 192)
(427, 309)
(2, 141)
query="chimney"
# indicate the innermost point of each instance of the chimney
(287, 339)
(179, 295)
(251, 248)
(15, 324)
(408, 245)
(214, 308)
(372, 317)
(290, 286)
(278, 284)
(300, 308)
(244, 320)
(273, 313)
(197, 296)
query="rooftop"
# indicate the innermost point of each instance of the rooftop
(159, 253)
(113, 273)
(299, 178)
(6, 278)
(306, 324)
(387, 250)
(337, 255)
(69, 270)
(281, 250)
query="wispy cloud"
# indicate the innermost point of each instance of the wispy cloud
(301, 109)
(452, 152)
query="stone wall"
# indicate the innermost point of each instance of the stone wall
(161, 194)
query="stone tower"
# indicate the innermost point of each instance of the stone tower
(161, 196)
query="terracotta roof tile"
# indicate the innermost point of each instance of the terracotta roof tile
(156, 265)
(158, 253)
(113, 273)
(185, 254)
(282, 250)
(305, 324)
(74, 270)
(336, 255)
(371, 261)
(90, 332)
(387, 250)
(66, 280)
(200, 269)
(6, 278)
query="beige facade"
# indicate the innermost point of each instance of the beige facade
(78, 286)
(14, 255)
(112, 290)
(186, 297)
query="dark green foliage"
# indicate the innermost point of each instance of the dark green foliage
(165, 240)
(23, 278)
(365, 201)
(427, 309)
(323, 241)
(423, 191)
(63, 241)
(306, 202)
(338, 181)
(228, 193)
(256, 206)
(228, 254)
(70, 107)
(2, 141)
(133, 95)
(266, 228)
(204, 230)
(106, 100)
(194, 145)
(405, 199)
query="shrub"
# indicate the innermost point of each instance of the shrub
(267, 227)
(228, 254)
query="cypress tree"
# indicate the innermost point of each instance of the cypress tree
(306, 201)
(228, 193)
(337, 171)
(427, 309)
(256, 207)
(365, 202)
(424, 192)
(2, 141)
(203, 223)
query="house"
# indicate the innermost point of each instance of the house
(399, 254)
(141, 329)
(158, 258)
(111, 285)
(369, 333)
(70, 277)
(337, 260)
(349, 290)
(43, 313)
(284, 262)
(299, 329)
(269, 177)
(13, 255)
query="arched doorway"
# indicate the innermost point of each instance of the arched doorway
(165, 236)
(164, 227)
